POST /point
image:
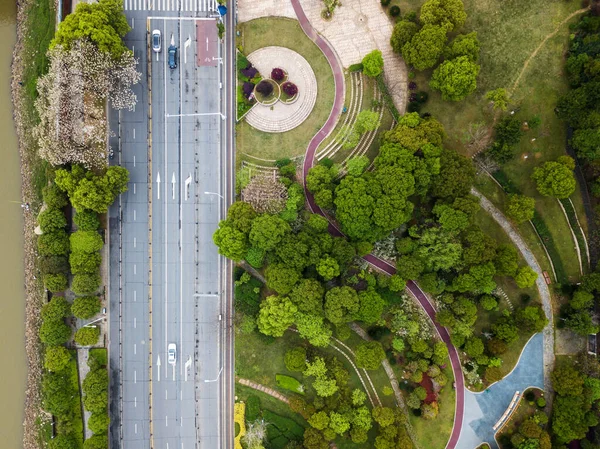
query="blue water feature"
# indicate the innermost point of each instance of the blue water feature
(483, 410)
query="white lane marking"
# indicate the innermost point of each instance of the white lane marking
(134, 271)
(134, 295)
(133, 46)
(133, 22)
(135, 242)
(135, 401)
(134, 322)
(135, 377)
(133, 133)
(135, 427)
(134, 215)
(134, 188)
(134, 160)
(134, 349)
(133, 107)
(166, 395)
(166, 251)
(166, 421)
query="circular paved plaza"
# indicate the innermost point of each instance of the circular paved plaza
(282, 117)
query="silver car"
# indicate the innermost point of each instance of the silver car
(156, 41)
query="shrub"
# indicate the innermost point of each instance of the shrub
(86, 307)
(265, 88)
(247, 89)
(422, 97)
(529, 396)
(55, 282)
(85, 263)
(290, 89)
(295, 359)
(255, 257)
(85, 284)
(395, 11)
(413, 106)
(87, 336)
(53, 244)
(277, 74)
(87, 220)
(541, 402)
(252, 408)
(249, 72)
(54, 197)
(57, 309)
(412, 86)
(52, 219)
(369, 355)
(56, 358)
(86, 242)
(289, 383)
(54, 265)
(98, 422)
(97, 441)
(356, 67)
(54, 332)
(385, 2)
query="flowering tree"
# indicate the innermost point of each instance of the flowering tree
(71, 102)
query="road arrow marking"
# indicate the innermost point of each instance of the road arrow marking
(158, 185)
(173, 181)
(188, 181)
(188, 365)
(158, 365)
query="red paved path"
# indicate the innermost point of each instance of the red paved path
(378, 263)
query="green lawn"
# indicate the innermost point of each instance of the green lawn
(437, 439)
(509, 32)
(283, 32)
(74, 426)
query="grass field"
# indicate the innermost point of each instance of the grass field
(283, 32)
(509, 32)
(437, 439)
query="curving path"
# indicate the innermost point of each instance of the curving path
(377, 263)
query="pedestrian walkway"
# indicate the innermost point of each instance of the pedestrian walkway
(84, 369)
(170, 5)
(266, 390)
(483, 410)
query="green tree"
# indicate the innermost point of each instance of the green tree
(312, 328)
(526, 277)
(276, 315)
(103, 23)
(520, 207)
(450, 13)
(307, 295)
(455, 78)
(357, 165)
(57, 309)
(581, 300)
(412, 133)
(463, 45)
(56, 358)
(369, 355)
(85, 307)
(85, 284)
(53, 244)
(54, 332)
(366, 121)
(499, 98)
(571, 418)
(555, 178)
(587, 143)
(409, 267)
(455, 178)
(328, 268)
(531, 318)
(373, 64)
(87, 220)
(87, 336)
(56, 393)
(51, 220)
(268, 231)
(295, 359)
(341, 305)
(425, 47)
(488, 302)
(507, 260)
(404, 30)
(581, 323)
(313, 439)
(371, 306)
(62, 442)
(358, 397)
(98, 423)
(54, 197)
(450, 219)
(505, 329)
(240, 215)
(384, 416)
(397, 284)
(86, 242)
(96, 441)
(54, 265)
(474, 347)
(85, 263)
(280, 278)
(567, 380)
(319, 420)
(55, 282)
(231, 242)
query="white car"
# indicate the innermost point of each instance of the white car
(156, 41)
(172, 353)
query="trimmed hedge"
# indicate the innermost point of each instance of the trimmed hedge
(289, 383)
(252, 408)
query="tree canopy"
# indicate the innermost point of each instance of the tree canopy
(455, 78)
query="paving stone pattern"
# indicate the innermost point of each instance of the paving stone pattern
(264, 389)
(282, 117)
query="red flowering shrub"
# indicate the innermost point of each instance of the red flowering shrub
(277, 74)
(290, 89)
(249, 72)
(247, 88)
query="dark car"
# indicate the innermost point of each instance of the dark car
(172, 57)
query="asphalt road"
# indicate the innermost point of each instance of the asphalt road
(166, 276)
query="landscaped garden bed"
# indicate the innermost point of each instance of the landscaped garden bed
(247, 80)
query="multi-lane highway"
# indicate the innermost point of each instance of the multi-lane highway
(168, 285)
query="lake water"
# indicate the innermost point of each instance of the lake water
(12, 310)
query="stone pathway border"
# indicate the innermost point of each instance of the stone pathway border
(281, 117)
(266, 390)
(541, 285)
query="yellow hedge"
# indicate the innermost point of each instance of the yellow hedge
(239, 412)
